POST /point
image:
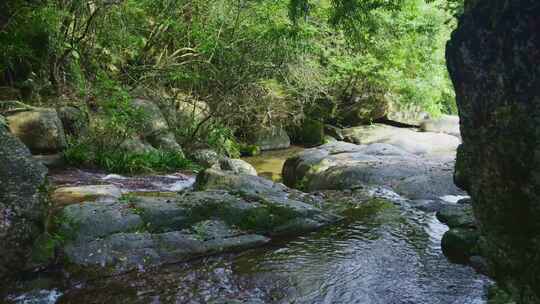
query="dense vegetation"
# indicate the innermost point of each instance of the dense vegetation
(246, 64)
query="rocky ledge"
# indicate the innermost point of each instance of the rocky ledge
(413, 164)
(103, 233)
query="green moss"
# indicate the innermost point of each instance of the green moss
(358, 211)
(496, 295)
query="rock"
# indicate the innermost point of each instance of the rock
(74, 120)
(335, 132)
(274, 195)
(274, 139)
(22, 203)
(156, 128)
(123, 252)
(496, 77)
(39, 129)
(191, 110)
(237, 166)
(406, 139)
(206, 157)
(341, 165)
(410, 114)
(81, 223)
(462, 168)
(448, 124)
(51, 161)
(329, 139)
(137, 146)
(111, 237)
(72, 195)
(457, 216)
(370, 108)
(310, 133)
(459, 244)
(465, 201)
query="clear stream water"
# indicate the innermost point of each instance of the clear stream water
(391, 256)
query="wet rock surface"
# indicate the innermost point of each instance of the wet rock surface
(106, 233)
(496, 76)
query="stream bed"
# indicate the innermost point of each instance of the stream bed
(388, 255)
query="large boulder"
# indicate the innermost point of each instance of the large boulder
(406, 113)
(22, 203)
(340, 165)
(156, 128)
(237, 166)
(419, 143)
(74, 120)
(448, 124)
(493, 59)
(105, 234)
(39, 129)
(271, 139)
(369, 108)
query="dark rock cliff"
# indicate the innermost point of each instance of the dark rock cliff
(22, 203)
(494, 62)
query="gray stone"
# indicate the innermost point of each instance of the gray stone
(406, 113)
(137, 146)
(237, 166)
(139, 231)
(448, 124)
(407, 139)
(156, 128)
(340, 165)
(92, 220)
(123, 252)
(460, 244)
(273, 139)
(22, 203)
(496, 76)
(206, 157)
(457, 216)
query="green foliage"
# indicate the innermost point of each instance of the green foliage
(127, 162)
(222, 140)
(256, 64)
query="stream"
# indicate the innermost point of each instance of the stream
(391, 255)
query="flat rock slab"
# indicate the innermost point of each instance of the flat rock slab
(341, 165)
(133, 231)
(123, 252)
(412, 141)
(448, 124)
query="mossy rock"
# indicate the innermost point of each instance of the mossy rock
(310, 133)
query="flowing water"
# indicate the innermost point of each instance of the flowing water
(389, 255)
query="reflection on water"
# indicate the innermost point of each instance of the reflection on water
(270, 163)
(389, 256)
